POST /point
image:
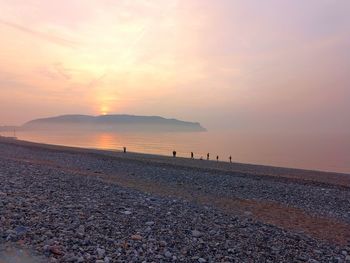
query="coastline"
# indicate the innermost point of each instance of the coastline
(71, 204)
(307, 175)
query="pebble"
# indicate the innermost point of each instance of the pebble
(100, 252)
(136, 237)
(127, 212)
(168, 254)
(64, 216)
(196, 233)
(56, 250)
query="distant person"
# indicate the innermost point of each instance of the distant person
(174, 153)
(217, 158)
(192, 155)
(208, 156)
(124, 149)
(230, 158)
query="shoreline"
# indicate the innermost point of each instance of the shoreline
(315, 176)
(245, 165)
(70, 204)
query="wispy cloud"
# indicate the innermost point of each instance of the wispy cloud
(62, 71)
(58, 40)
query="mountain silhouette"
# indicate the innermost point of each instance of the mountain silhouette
(121, 122)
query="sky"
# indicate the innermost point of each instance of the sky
(276, 65)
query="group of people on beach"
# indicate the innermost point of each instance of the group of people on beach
(201, 158)
(192, 155)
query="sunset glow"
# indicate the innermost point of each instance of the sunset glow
(174, 131)
(197, 60)
(104, 110)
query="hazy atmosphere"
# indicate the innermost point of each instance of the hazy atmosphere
(263, 65)
(197, 131)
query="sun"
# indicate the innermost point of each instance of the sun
(104, 110)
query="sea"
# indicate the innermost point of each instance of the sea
(325, 152)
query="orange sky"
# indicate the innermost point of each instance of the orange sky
(228, 63)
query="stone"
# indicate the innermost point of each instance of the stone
(21, 230)
(100, 252)
(136, 237)
(81, 230)
(162, 243)
(196, 233)
(127, 212)
(56, 250)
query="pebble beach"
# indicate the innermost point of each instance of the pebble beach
(63, 204)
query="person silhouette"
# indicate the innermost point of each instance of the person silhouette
(230, 159)
(174, 153)
(208, 156)
(124, 149)
(192, 156)
(217, 158)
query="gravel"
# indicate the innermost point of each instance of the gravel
(59, 216)
(324, 200)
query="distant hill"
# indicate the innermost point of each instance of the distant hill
(113, 123)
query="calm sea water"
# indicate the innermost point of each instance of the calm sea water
(327, 152)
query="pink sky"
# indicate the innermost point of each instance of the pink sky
(281, 64)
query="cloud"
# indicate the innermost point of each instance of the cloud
(58, 40)
(62, 71)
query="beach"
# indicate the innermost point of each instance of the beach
(65, 204)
